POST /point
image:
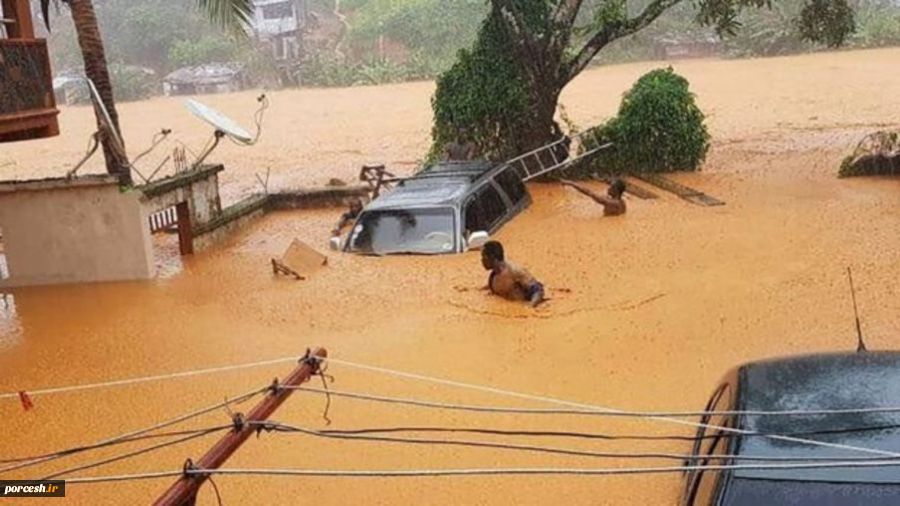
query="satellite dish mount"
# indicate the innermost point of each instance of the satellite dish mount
(225, 126)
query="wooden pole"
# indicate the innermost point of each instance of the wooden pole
(184, 491)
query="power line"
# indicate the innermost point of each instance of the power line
(122, 437)
(593, 411)
(562, 402)
(124, 477)
(600, 436)
(79, 449)
(146, 379)
(278, 427)
(135, 453)
(608, 471)
(587, 412)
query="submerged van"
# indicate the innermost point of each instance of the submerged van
(449, 207)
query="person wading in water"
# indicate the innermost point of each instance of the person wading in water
(349, 217)
(506, 279)
(613, 203)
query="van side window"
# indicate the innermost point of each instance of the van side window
(512, 185)
(485, 210)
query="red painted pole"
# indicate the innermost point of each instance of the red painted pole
(184, 491)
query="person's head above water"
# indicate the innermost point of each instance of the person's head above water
(491, 254)
(616, 189)
(356, 205)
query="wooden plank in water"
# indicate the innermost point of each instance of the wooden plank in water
(636, 190)
(683, 191)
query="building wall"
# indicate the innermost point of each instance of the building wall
(75, 234)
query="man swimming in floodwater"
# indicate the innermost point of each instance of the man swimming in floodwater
(461, 149)
(506, 279)
(613, 203)
(349, 217)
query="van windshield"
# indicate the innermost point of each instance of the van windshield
(425, 231)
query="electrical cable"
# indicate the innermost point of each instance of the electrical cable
(278, 427)
(135, 453)
(161, 425)
(552, 400)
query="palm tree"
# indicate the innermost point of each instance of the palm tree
(232, 15)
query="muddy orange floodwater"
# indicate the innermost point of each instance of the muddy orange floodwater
(647, 311)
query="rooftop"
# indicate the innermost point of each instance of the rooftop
(822, 382)
(440, 184)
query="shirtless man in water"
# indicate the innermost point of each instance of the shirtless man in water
(508, 280)
(613, 203)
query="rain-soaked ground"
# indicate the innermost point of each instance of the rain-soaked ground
(648, 310)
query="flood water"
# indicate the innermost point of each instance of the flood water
(647, 311)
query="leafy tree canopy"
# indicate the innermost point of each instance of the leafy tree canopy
(528, 50)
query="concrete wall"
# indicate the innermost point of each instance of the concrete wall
(312, 198)
(201, 195)
(58, 232)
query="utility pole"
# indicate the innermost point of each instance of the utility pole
(184, 491)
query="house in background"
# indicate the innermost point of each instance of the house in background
(279, 23)
(207, 78)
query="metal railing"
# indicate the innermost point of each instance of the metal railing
(165, 220)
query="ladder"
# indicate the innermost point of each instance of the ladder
(555, 156)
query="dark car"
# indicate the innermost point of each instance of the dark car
(817, 382)
(449, 207)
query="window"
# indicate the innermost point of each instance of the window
(707, 481)
(485, 209)
(277, 11)
(512, 185)
(425, 231)
(701, 487)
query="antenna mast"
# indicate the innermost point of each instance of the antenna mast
(861, 345)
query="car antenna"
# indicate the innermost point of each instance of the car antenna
(861, 345)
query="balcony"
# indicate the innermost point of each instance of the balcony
(27, 105)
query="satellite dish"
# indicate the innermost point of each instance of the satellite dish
(219, 121)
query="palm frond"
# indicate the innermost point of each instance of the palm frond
(233, 15)
(45, 11)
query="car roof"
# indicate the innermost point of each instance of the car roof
(441, 184)
(836, 381)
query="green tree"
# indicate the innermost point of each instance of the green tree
(658, 128)
(527, 51)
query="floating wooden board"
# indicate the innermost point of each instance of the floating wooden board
(299, 261)
(683, 191)
(636, 190)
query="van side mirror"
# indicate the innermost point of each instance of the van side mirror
(478, 239)
(335, 243)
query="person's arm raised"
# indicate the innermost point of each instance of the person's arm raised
(600, 199)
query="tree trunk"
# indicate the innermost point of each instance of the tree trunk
(541, 128)
(96, 70)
